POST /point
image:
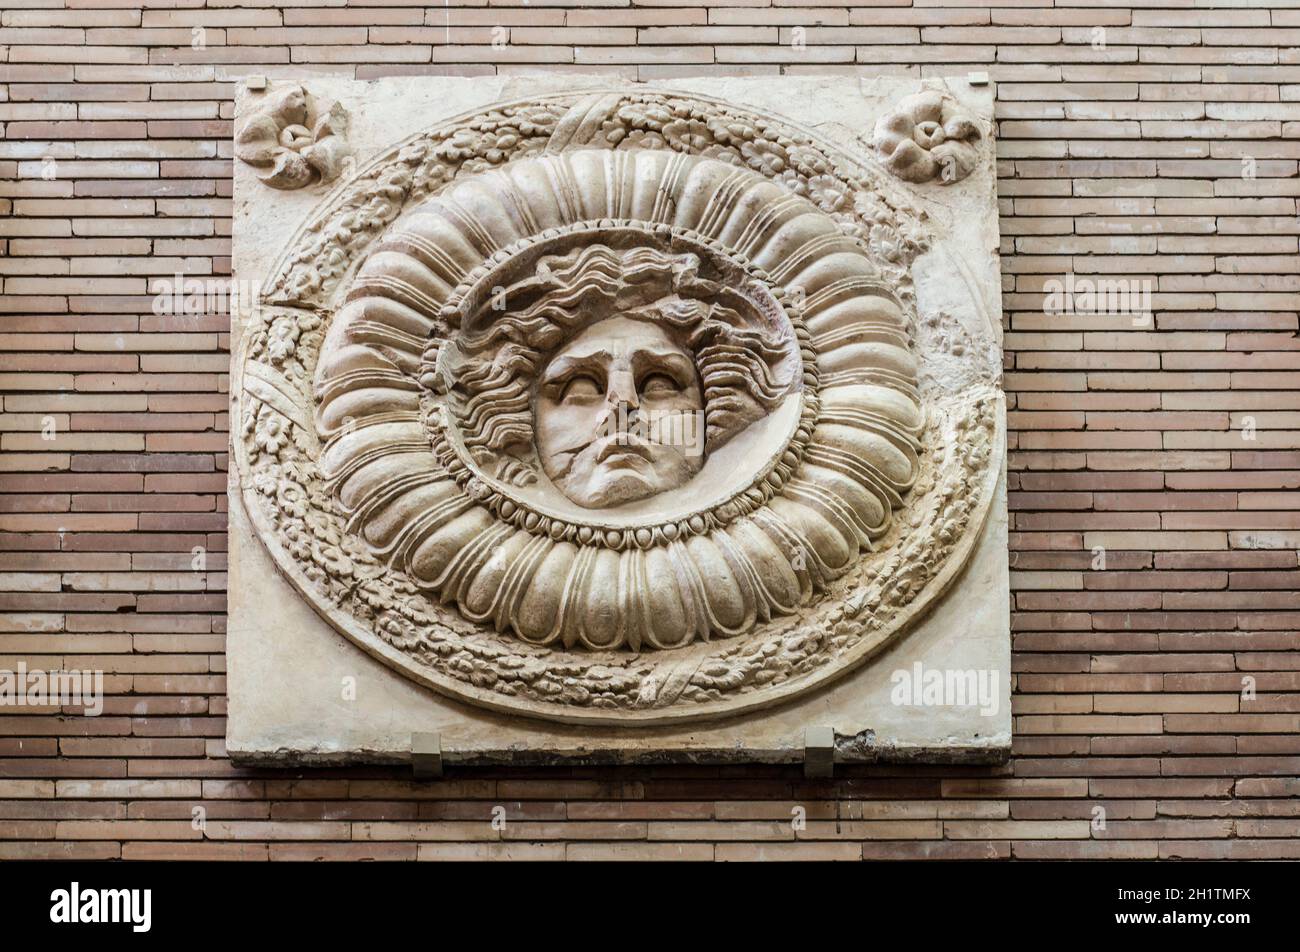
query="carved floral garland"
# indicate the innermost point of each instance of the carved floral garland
(866, 209)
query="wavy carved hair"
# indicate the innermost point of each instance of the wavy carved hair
(488, 375)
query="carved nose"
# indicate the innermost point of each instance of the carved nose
(622, 392)
(622, 416)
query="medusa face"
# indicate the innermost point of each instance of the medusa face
(614, 372)
(618, 414)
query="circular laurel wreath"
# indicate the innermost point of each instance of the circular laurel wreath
(320, 545)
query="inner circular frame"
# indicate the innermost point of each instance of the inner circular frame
(626, 526)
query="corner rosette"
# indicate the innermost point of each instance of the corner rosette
(277, 138)
(927, 137)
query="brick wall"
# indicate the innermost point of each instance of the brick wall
(1164, 148)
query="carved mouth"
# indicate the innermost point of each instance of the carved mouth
(622, 449)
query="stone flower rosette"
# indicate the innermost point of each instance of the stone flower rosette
(853, 507)
(290, 143)
(928, 137)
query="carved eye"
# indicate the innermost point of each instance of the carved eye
(581, 387)
(659, 385)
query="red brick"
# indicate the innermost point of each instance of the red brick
(1125, 160)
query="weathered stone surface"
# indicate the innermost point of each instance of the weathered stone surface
(658, 421)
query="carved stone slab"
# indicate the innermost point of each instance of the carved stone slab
(582, 421)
